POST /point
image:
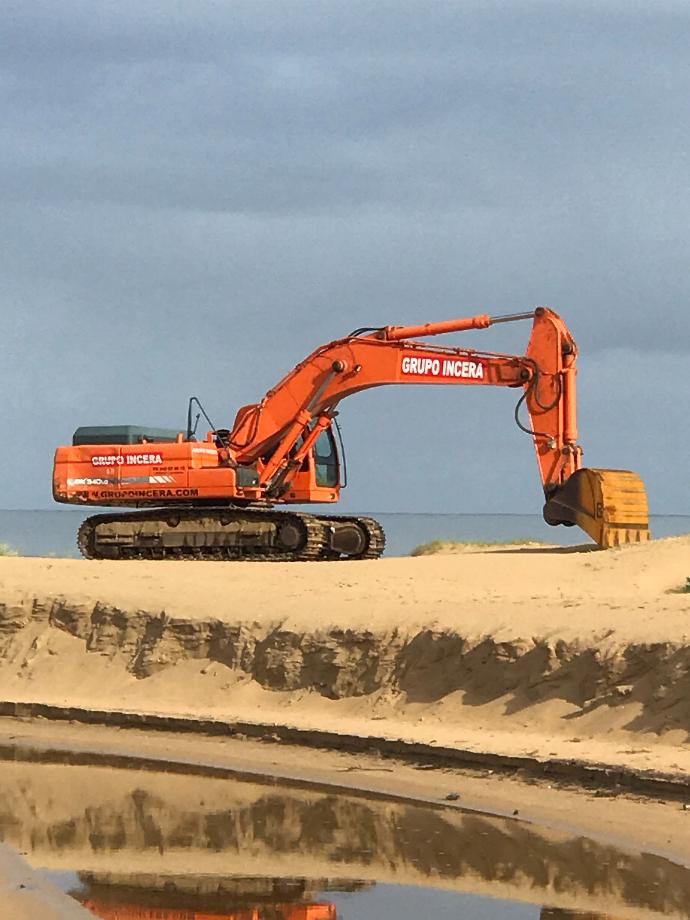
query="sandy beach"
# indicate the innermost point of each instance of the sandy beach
(544, 653)
(570, 661)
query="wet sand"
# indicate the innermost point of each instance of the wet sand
(25, 895)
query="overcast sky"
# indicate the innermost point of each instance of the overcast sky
(194, 195)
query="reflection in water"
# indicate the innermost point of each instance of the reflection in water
(121, 905)
(108, 907)
(209, 899)
(556, 913)
(157, 845)
(274, 912)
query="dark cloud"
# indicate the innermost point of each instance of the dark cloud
(195, 195)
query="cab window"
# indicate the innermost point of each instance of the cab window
(326, 460)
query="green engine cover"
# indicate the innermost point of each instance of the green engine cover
(122, 434)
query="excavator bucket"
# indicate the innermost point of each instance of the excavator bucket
(609, 505)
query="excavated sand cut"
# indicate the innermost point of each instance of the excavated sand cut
(539, 652)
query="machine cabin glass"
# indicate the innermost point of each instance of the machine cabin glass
(326, 460)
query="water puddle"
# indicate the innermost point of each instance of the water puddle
(140, 845)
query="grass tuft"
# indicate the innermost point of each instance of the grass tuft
(429, 549)
(7, 550)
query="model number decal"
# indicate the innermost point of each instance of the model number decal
(125, 459)
(442, 367)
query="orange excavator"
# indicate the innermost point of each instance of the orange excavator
(216, 498)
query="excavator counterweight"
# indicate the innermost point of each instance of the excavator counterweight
(217, 498)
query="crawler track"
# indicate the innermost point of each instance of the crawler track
(229, 534)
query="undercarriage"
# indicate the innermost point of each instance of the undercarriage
(226, 533)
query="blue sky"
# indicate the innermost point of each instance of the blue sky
(193, 196)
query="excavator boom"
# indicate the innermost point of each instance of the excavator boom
(281, 450)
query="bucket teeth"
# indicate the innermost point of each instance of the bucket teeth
(609, 505)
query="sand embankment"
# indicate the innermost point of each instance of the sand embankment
(551, 654)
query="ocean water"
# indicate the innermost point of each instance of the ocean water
(46, 533)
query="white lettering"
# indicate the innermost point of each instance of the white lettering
(142, 459)
(128, 459)
(107, 460)
(426, 367)
(434, 367)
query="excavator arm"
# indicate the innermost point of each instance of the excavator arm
(279, 432)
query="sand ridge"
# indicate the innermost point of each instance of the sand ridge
(534, 588)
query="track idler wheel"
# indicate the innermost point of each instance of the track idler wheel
(348, 538)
